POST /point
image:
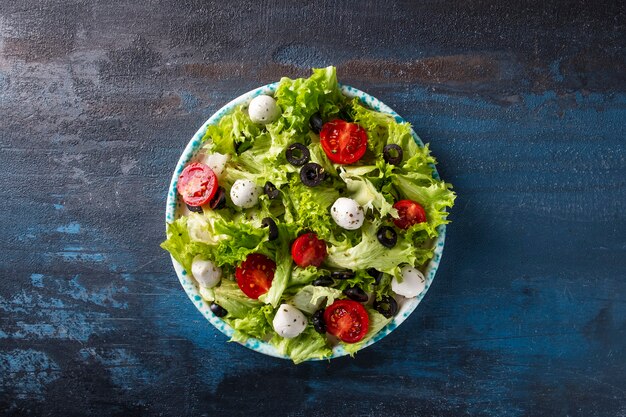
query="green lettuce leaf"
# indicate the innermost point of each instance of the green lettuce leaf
(256, 323)
(369, 253)
(308, 345)
(363, 191)
(229, 296)
(180, 245)
(202, 227)
(301, 277)
(299, 99)
(234, 130)
(309, 207)
(265, 160)
(376, 322)
(281, 250)
(435, 198)
(309, 299)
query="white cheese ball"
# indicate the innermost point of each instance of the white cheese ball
(245, 193)
(206, 272)
(289, 322)
(347, 213)
(413, 282)
(263, 110)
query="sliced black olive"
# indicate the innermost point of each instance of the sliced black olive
(323, 282)
(218, 310)
(271, 190)
(269, 222)
(387, 236)
(195, 209)
(346, 274)
(376, 274)
(316, 123)
(392, 154)
(318, 321)
(356, 294)
(312, 174)
(219, 199)
(387, 306)
(297, 154)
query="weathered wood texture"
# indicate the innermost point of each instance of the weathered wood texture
(523, 104)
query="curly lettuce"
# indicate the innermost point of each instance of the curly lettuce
(370, 253)
(308, 345)
(299, 99)
(234, 133)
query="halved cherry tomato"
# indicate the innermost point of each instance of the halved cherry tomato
(197, 184)
(346, 319)
(343, 142)
(410, 213)
(255, 274)
(308, 250)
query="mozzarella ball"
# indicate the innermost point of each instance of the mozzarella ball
(413, 282)
(347, 213)
(245, 193)
(263, 110)
(206, 272)
(289, 322)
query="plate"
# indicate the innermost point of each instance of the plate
(174, 208)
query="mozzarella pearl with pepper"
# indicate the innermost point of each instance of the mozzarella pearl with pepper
(413, 282)
(206, 272)
(347, 213)
(289, 322)
(263, 110)
(245, 193)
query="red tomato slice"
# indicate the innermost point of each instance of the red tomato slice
(343, 142)
(346, 319)
(308, 250)
(410, 213)
(197, 184)
(254, 276)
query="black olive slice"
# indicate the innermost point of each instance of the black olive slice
(318, 321)
(271, 190)
(297, 154)
(312, 174)
(387, 236)
(392, 154)
(219, 199)
(376, 274)
(269, 222)
(346, 274)
(316, 123)
(323, 282)
(195, 209)
(356, 294)
(218, 310)
(387, 306)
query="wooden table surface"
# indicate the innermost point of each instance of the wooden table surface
(524, 105)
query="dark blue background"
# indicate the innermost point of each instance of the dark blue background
(524, 106)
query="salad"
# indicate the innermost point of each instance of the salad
(308, 219)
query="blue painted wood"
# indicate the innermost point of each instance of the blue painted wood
(524, 107)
